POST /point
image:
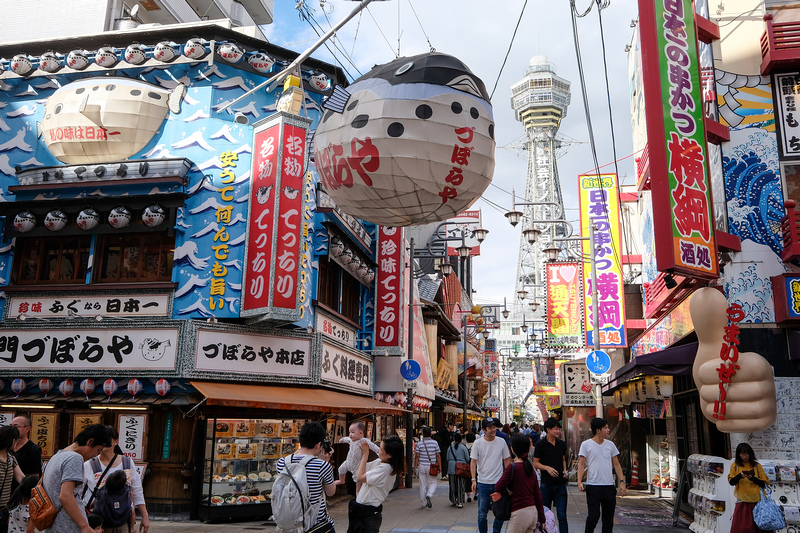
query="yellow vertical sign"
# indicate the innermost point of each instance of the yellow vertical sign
(43, 432)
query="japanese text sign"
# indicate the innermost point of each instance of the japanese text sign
(131, 435)
(90, 349)
(729, 356)
(787, 93)
(276, 224)
(345, 368)
(491, 366)
(335, 329)
(464, 225)
(564, 305)
(683, 221)
(94, 305)
(253, 354)
(388, 296)
(81, 421)
(43, 432)
(221, 241)
(600, 210)
(577, 388)
(792, 296)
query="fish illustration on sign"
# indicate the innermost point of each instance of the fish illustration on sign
(102, 119)
(263, 194)
(153, 349)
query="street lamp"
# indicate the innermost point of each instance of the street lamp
(551, 253)
(522, 294)
(531, 235)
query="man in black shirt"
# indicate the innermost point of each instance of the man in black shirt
(28, 454)
(550, 456)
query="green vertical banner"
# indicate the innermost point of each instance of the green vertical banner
(167, 437)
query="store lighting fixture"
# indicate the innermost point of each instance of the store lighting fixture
(551, 253)
(513, 217)
(117, 407)
(445, 268)
(27, 406)
(522, 294)
(480, 234)
(463, 251)
(531, 235)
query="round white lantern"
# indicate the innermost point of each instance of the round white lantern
(414, 145)
(106, 57)
(119, 217)
(18, 386)
(162, 387)
(135, 54)
(230, 52)
(195, 48)
(66, 387)
(663, 386)
(24, 222)
(87, 219)
(46, 385)
(164, 51)
(337, 247)
(153, 216)
(134, 387)
(318, 81)
(78, 59)
(49, 62)
(55, 220)
(21, 64)
(260, 61)
(87, 386)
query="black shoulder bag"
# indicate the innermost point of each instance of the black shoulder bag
(501, 508)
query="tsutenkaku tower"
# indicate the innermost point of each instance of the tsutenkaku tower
(540, 101)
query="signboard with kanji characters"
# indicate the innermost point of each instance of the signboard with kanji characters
(787, 96)
(600, 209)
(683, 221)
(564, 305)
(464, 225)
(491, 366)
(276, 227)
(252, 354)
(335, 329)
(88, 349)
(89, 305)
(81, 421)
(132, 429)
(44, 432)
(387, 287)
(576, 385)
(340, 367)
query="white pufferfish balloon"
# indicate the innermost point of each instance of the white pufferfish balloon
(412, 144)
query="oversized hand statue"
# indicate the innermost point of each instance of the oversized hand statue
(736, 393)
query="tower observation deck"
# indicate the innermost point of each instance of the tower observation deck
(539, 101)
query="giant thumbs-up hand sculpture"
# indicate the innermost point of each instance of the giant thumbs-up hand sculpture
(747, 403)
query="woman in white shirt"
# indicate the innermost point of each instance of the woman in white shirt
(377, 478)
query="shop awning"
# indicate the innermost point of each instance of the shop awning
(675, 361)
(290, 398)
(444, 398)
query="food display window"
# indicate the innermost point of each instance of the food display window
(658, 463)
(240, 465)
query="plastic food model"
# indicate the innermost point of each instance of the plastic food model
(749, 399)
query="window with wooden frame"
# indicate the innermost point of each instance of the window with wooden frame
(337, 290)
(52, 260)
(135, 258)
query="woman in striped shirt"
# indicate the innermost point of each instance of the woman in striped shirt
(8, 470)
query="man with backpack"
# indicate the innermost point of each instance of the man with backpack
(298, 503)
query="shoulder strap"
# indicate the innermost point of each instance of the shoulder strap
(127, 463)
(289, 471)
(427, 451)
(100, 479)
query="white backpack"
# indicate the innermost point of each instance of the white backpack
(291, 505)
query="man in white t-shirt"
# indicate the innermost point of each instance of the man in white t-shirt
(601, 457)
(488, 459)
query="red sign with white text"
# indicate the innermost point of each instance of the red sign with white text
(290, 224)
(387, 286)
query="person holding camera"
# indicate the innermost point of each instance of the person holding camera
(319, 472)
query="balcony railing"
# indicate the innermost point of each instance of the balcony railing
(790, 233)
(643, 169)
(780, 45)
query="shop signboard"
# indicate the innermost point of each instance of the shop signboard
(275, 229)
(387, 287)
(6, 418)
(491, 366)
(306, 247)
(252, 354)
(464, 225)
(787, 95)
(444, 374)
(600, 213)
(44, 432)
(81, 421)
(683, 221)
(576, 388)
(667, 331)
(335, 329)
(341, 367)
(89, 306)
(132, 429)
(88, 349)
(564, 305)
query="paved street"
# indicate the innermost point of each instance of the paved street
(403, 513)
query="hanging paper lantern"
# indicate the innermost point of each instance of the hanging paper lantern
(165, 51)
(362, 271)
(162, 387)
(337, 247)
(21, 64)
(106, 57)
(194, 48)
(618, 399)
(346, 256)
(370, 275)
(46, 385)
(87, 219)
(109, 387)
(55, 220)
(66, 387)
(260, 61)
(18, 386)
(152, 216)
(49, 62)
(87, 386)
(119, 217)
(230, 52)
(135, 54)
(418, 136)
(24, 222)
(626, 394)
(663, 386)
(78, 59)
(318, 81)
(134, 387)
(354, 265)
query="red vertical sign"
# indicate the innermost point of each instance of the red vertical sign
(261, 219)
(290, 224)
(387, 287)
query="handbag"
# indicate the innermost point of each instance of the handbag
(462, 469)
(41, 510)
(767, 514)
(501, 507)
(433, 469)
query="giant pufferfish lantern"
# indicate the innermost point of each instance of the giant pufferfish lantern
(412, 144)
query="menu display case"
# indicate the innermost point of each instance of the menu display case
(658, 468)
(240, 465)
(711, 495)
